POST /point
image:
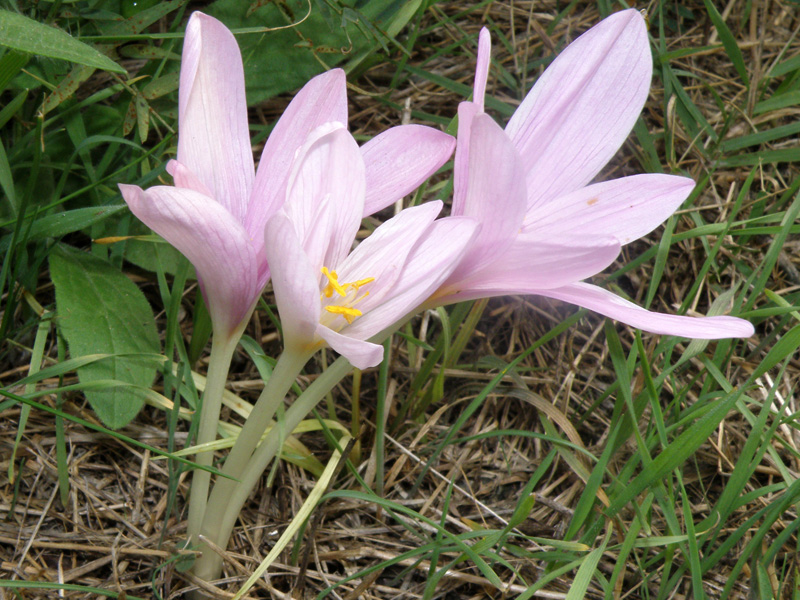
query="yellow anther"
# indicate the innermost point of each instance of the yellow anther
(361, 282)
(349, 291)
(348, 313)
(333, 284)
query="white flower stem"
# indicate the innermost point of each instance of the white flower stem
(228, 496)
(222, 348)
(237, 465)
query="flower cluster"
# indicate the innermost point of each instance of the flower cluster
(217, 211)
(525, 217)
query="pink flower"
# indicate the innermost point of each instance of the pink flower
(328, 295)
(544, 227)
(217, 210)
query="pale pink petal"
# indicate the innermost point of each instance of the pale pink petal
(583, 106)
(322, 100)
(466, 114)
(361, 354)
(383, 254)
(609, 304)
(398, 160)
(184, 178)
(529, 266)
(625, 208)
(328, 171)
(294, 282)
(428, 265)
(305, 191)
(495, 194)
(213, 241)
(213, 134)
(482, 67)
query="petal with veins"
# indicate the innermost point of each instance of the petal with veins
(214, 138)
(583, 107)
(529, 266)
(427, 266)
(466, 115)
(383, 254)
(482, 67)
(184, 178)
(398, 160)
(213, 241)
(626, 208)
(322, 100)
(328, 171)
(294, 281)
(609, 304)
(495, 194)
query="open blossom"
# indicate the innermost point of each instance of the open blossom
(544, 227)
(217, 210)
(330, 295)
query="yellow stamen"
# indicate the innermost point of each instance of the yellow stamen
(361, 282)
(349, 292)
(333, 284)
(360, 298)
(348, 313)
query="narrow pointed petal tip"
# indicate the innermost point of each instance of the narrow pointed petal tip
(361, 354)
(610, 305)
(214, 135)
(184, 178)
(583, 106)
(399, 160)
(482, 67)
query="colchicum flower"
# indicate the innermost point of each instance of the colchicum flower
(544, 227)
(217, 210)
(328, 295)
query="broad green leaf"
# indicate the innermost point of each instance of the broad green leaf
(297, 48)
(153, 254)
(21, 33)
(161, 86)
(100, 310)
(66, 87)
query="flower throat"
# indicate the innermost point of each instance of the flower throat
(349, 293)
